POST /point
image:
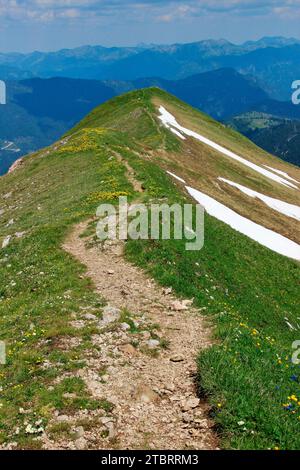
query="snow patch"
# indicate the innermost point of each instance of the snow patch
(282, 173)
(170, 122)
(285, 208)
(262, 235)
(176, 177)
(177, 133)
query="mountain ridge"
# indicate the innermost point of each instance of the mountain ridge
(62, 362)
(34, 117)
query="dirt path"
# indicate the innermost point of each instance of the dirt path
(151, 382)
(130, 174)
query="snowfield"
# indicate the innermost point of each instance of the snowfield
(285, 208)
(170, 122)
(262, 235)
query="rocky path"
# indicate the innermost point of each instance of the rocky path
(148, 346)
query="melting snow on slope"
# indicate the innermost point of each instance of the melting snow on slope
(282, 173)
(176, 177)
(177, 133)
(262, 235)
(170, 122)
(285, 208)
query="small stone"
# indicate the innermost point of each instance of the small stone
(89, 316)
(167, 291)
(177, 358)
(70, 395)
(10, 222)
(110, 272)
(128, 349)
(6, 241)
(178, 305)
(153, 343)
(80, 443)
(170, 387)
(106, 419)
(202, 423)
(146, 394)
(146, 335)
(79, 432)
(110, 314)
(111, 430)
(62, 418)
(190, 404)
(187, 418)
(125, 326)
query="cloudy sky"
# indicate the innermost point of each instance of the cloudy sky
(27, 25)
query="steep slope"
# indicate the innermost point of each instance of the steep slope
(201, 155)
(50, 312)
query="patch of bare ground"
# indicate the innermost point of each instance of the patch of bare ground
(146, 356)
(142, 359)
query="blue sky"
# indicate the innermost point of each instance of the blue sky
(27, 25)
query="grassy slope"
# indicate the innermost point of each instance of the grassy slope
(246, 289)
(41, 285)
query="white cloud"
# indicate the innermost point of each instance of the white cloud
(161, 10)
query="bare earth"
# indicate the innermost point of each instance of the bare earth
(153, 387)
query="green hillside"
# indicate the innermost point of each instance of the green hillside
(244, 289)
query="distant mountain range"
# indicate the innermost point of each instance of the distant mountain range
(273, 61)
(39, 111)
